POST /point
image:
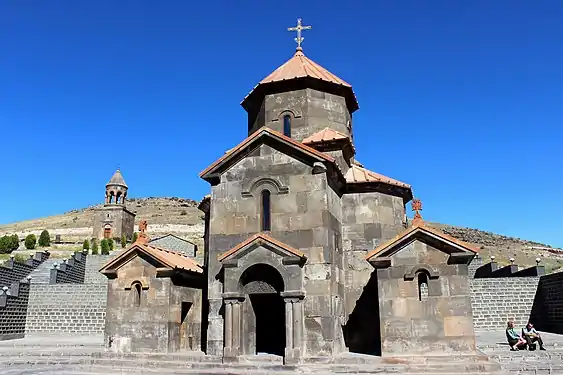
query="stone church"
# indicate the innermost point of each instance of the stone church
(307, 252)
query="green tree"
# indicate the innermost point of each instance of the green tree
(5, 245)
(135, 236)
(123, 241)
(30, 241)
(86, 245)
(110, 244)
(95, 247)
(104, 245)
(15, 241)
(44, 239)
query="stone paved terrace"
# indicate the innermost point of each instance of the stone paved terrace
(68, 354)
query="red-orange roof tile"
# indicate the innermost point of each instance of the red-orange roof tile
(261, 237)
(168, 258)
(271, 132)
(325, 135)
(359, 175)
(300, 66)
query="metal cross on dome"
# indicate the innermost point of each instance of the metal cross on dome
(299, 28)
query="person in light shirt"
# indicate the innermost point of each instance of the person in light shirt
(514, 339)
(531, 336)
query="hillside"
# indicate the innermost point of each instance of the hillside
(181, 216)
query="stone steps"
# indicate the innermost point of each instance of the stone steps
(202, 364)
(42, 274)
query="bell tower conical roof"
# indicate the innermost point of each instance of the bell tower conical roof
(117, 179)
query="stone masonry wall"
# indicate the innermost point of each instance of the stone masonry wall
(13, 271)
(497, 300)
(13, 309)
(66, 308)
(71, 271)
(547, 311)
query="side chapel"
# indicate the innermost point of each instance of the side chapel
(291, 225)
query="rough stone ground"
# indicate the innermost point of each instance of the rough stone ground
(61, 355)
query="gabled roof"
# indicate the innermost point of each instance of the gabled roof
(419, 231)
(169, 260)
(360, 175)
(117, 179)
(325, 135)
(258, 240)
(261, 135)
(173, 236)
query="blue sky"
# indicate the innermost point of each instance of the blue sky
(461, 99)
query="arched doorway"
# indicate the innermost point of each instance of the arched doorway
(263, 311)
(107, 231)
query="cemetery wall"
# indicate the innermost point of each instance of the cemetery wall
(13, 310)
(66, 309)
(547, 312)
(71, 271)
(497, 300)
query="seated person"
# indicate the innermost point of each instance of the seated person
(514, 339)
(530, 334)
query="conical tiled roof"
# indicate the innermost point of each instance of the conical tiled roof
(298, 68)
(117, 179)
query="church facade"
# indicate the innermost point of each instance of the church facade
(307, 252)
(292, 216)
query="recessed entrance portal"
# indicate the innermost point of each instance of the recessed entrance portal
(264, 312)
(107, 232)
(270, 323)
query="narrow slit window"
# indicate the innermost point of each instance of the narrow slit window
(266, 220)
(136, 294)
(287, 125)
(422, 286)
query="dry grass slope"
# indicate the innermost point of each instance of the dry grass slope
(181, 216)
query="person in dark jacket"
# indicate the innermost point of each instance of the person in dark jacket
(531, 336)
(514, 339)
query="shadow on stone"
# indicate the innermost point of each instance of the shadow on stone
(362, 332)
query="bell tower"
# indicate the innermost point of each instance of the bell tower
(301, 98)
(114, 219)
(116, 189)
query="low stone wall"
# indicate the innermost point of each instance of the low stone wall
(66, 309)
(497, 300)
(13, 310)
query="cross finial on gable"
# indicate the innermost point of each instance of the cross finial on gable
(299, 28)
(143, 238)
(416, 206)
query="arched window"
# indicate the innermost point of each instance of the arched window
(136, 290)
(422, 286)
(266, 219)
(287, 125)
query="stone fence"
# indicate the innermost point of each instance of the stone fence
(71, 270)
(13, 271)
(66, 309)
(13, 310)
